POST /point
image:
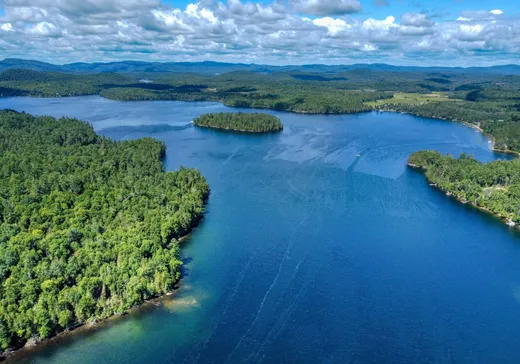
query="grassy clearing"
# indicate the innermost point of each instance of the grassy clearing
(412, 98)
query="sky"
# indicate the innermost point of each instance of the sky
(279, 32)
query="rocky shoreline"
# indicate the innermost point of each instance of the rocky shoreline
(96, 323)
(82, 328)
(507, 221)
(237, 130)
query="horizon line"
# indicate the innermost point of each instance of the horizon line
(260, 64)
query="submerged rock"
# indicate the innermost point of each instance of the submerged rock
(32, 342)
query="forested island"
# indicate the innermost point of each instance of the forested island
(494, 186)
(244, 122)
(89, 227)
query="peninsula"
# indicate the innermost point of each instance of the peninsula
(493, 187)
(89, 227)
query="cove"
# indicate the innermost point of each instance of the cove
(310, 253)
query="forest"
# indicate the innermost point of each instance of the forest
(89, 227)
(489, 101)
(244, 122)
(493, 186)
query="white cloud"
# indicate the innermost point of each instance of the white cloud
(415, 31)
(167, 17)
(242, 31)
(380, 25)
(333, 25)
(471, 15)
(416, 20)
(413, 24)
(471, 29)
(6, 27)
(369, 48)
(44, 29)
(197, 12)
(28, 14)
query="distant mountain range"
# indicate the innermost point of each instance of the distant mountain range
(217, 67)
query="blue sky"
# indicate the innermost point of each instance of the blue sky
(408, 32)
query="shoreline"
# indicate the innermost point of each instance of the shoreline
(471, 125)
(493, 142)
(450, 194)
(87, 327)
(372, 109)
(96, 323)
(238, 130)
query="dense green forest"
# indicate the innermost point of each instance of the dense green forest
(489, 101)
(239, 121)
(493, 186)
(88, 227)
(48, 84)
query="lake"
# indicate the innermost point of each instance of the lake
(319, 245)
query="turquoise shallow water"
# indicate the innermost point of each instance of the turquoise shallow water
(309, 253)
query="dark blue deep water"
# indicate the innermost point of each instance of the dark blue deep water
(309, 253)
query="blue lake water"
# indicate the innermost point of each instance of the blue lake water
(310, 253)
